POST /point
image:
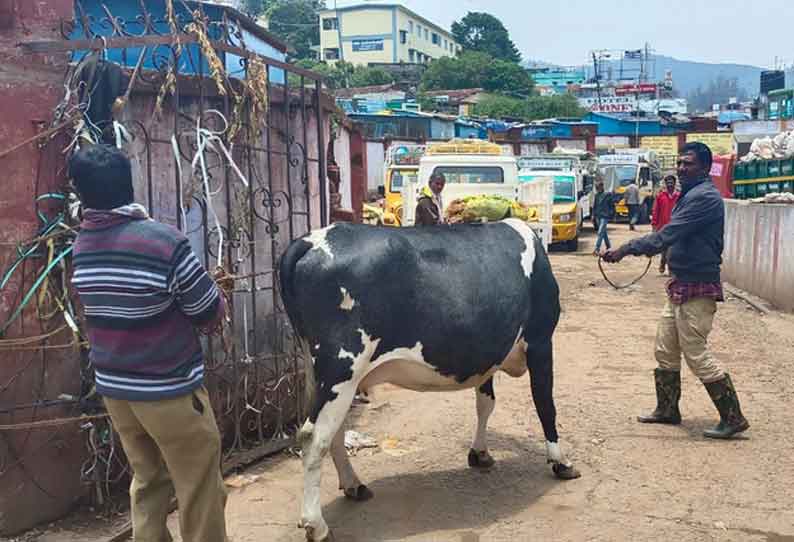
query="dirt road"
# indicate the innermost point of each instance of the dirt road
(639, 482)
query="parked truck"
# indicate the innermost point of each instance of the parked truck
(571, 184)
(631, 165)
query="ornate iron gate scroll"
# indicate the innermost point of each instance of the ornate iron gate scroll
(229, 147)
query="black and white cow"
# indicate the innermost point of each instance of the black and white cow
(428, 309)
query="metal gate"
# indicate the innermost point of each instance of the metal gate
(229, 146)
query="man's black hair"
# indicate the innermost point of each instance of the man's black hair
(701, 151)
(102, 176)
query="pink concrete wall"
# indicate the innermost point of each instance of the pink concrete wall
(759, 252)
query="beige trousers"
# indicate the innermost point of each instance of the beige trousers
(174, 447)
(684, 329)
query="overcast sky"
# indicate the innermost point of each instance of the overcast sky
(564, 31)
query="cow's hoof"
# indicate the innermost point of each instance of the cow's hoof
(359, 494)
(480, 460)
(565, 472)
(311, 537)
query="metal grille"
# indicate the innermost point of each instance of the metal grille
(228, 145)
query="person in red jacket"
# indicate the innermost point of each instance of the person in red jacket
(663, 210)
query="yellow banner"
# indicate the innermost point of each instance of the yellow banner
(660, 144)
(719, 143)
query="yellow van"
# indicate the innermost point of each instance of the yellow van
(566, 212)
(400, 168)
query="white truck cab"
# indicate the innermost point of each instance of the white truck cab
(474, 168)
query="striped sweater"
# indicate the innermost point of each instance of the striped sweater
(144, 293)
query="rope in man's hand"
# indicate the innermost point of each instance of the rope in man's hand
(622, 286)
(224, 280)
(226, 283)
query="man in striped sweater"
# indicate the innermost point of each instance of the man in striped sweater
(144, 294)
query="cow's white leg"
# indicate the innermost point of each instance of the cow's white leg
(319, 436)
(349, 482)
(486, 401)
(329, 421)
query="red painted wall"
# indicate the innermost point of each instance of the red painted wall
(358, 172)
(722, 174)
(39, 469)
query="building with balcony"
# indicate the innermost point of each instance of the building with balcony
(382, 34)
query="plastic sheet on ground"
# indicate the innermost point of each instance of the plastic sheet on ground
(241, 480)
(355, 441)
(395, 448)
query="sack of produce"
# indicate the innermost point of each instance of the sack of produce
(490, 208)
(487, 208)
(455, 209)
(519, 210)
(371, 214)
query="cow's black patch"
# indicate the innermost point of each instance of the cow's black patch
(458, 290)
(487, 389)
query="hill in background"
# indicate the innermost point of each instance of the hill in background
(689, 75)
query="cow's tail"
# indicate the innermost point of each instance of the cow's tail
(309, 393)
(287, 280)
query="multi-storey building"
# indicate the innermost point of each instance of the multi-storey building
(384, 33)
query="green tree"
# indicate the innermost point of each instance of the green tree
(498, 107)
(485, 33)
(508, 78)
(448, 73)
(477, 70)
(346, 75)
(294, 21)
(557, 106)
(364, 77)
(529, 109)
(427, 103)
(255, 7)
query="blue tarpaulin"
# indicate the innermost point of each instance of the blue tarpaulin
(728, 117)
(192, 61)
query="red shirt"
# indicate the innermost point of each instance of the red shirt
(663, 208)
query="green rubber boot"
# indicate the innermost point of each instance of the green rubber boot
(732, 421)
(668, 393)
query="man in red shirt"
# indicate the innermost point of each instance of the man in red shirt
(663, 210)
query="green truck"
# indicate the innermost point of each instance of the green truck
(760, 177)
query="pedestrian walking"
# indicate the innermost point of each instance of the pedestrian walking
(632, 197)
(694, 236)
(603, 211)
(145, 294)
(662, 211)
